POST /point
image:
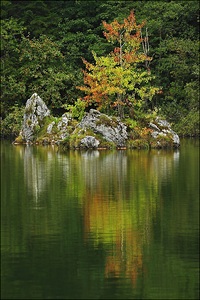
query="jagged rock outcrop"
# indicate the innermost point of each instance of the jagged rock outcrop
(63, 126)
(61, 129)
(161, 128)
(35, 111)
(109, 127)
(96, 130)
(89, 142)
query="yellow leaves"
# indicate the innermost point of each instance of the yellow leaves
(102, 78)
(115, 223)
(117, 74)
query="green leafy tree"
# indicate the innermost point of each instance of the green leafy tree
(77, 30)
(11, 87)
(173, 28)
(43, 69)
(179, 68)
(120, 78)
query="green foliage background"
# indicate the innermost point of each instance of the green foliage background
(43, 43)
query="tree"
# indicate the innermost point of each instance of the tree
(76, 28)
(43, 70)
(123, 77)
(11, 89)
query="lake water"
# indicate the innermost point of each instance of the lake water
(99, 224)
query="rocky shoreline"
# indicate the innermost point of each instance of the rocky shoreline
(95, 131)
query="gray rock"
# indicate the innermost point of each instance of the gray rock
(63, 122)
(35, 111)
(50, 127)
(163, 128)
(162, 123)
(62, 126)
(111, 129)
(176, 139)
(89, 142)
(153, 126)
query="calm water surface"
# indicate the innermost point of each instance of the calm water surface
(99, 224)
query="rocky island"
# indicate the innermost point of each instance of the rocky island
(96, 130)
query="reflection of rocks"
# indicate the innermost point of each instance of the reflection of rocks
(121, 200)
(39, 167)
(36, 173)
(114, 195)
(162, 163)
(95, 166)
(154, 165)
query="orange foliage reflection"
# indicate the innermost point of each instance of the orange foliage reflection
(113, 224)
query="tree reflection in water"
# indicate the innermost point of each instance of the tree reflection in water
(118, 192)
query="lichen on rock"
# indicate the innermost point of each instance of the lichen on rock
(89, 142)
(161, 128)
(95, 130)
(113, 130)
(35, 111)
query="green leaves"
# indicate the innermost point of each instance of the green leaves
(11, 30)
(115, 76)
(43, 69)
(42, 49)
(77, 110)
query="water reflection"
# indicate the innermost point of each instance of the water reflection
(36, 174)
(102, 167)
(118, 194)
(100, 220)
(120, 203)
(39, 165)
(164, 162)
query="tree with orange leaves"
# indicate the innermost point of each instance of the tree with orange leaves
(122, 77)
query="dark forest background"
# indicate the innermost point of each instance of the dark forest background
(43, 43)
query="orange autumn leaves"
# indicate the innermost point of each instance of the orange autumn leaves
(128, 38)
(122, 73)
